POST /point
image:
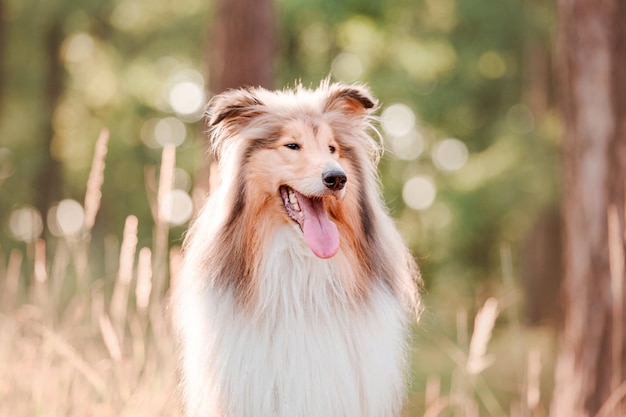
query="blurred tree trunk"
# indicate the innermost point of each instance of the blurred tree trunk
(541, 270)
(49, 178)
(591, 370)
(241, 47)
(241, 52)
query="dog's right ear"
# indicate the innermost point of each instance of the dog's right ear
(233, 105)
(228, 113)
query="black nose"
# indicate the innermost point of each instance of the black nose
(335, 180)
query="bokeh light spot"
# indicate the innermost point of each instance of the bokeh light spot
(187, 97)
(407, 147)
(147, 133)
(520, 119)
(177, 207)
(419, 192)
(66, 218)
(347, 67)
(170, 131)
(491, 65)
(440, 215)
(78, 48)
(398, 120)
(424, 61)
(126, 15)
(316, 38)
(26, 224)
(450, 155)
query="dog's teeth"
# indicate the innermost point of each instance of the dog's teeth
(294, 201)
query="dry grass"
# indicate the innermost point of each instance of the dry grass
(89, 353)
(489, 366)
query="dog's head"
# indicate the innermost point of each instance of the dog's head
(296, 156)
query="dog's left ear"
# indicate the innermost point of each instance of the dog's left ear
(353, 100)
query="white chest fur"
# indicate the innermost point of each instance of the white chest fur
(302, 351)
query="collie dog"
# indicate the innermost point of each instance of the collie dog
(296, 293)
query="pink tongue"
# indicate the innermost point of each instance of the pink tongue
(319, 232)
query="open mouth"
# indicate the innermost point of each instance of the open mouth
(290, 201)
(320, 233)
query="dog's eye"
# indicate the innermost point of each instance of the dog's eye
(293, 146)
(332, 149)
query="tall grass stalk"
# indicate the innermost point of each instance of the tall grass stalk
(12, 280)
(39, 287)
(119, 301)
(58, 272)
(93, 195)
(478, 359)
(161, 228)
(68, 353)
(143, 287)
(533, 382)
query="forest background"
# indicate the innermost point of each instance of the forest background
(102, 164)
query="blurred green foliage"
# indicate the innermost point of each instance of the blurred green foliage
(477, 71)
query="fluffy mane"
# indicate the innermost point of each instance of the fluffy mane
(242, 121)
